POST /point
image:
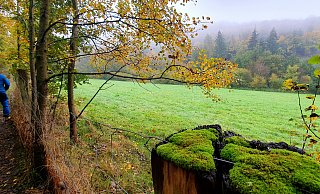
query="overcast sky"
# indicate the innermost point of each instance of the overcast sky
(253, 10)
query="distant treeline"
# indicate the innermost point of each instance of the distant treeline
(266, 61)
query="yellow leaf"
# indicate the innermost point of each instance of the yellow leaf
(83, 10)
(128, 167)
(310, 97)
(301, 87)
(289, 84)
(317, 73)
(312, 107)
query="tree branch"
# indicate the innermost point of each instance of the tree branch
(132, 77)
(100, 88)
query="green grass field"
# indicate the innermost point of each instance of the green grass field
(168, 108)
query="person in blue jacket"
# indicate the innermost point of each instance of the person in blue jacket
(4, 86)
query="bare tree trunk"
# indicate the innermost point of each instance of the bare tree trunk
(31, 61)
(41, 64)
(32, 72)
(71, 67)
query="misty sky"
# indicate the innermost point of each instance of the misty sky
(253, 10)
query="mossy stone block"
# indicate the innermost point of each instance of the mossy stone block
(238, 140)
(190, 149)
(275, 171)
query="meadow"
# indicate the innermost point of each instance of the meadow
(164, 109)
(160, 110)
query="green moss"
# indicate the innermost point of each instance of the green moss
(191, 149)
(237, 140)
(277, 171)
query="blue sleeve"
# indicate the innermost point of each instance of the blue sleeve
(6, 83)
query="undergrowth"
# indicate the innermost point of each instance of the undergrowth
(104, 160)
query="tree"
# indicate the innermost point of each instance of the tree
(41, 64)
(275, 81)
(272, 41)
(71, 69)
(31, 33)
(244, 77)
(258, 82)
(292, 73)
(220, 49)
(296, 43)
(253, 41)
(208, 45)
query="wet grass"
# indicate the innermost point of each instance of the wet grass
(164, 109)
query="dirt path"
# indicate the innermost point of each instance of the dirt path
(10, 174)
(14, 177)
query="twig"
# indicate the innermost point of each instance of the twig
(117, 130)
(100, 88)
(308, 125)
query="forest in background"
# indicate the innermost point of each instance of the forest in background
(267, 52)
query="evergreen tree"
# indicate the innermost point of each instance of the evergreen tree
(220, 49)
(253, 41)
(272, 41)
(297, 47)
(208, 45)
(263, 45)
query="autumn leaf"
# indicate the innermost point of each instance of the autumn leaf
(317, 73)
(301, 87)
(310, 97)
(289, 84)
(83, 10)
(313, 141)
(312, 108)
(314, 116)
(128, 166)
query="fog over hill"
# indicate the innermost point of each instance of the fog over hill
(242, 30)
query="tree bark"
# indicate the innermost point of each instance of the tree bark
(32, 61)
(22, 82)
(32, 71)
(71, 67)
(41, 64)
